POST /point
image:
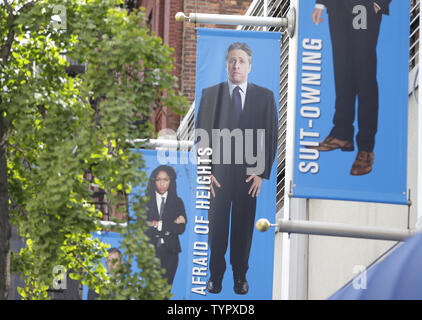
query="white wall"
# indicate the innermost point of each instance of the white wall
(321, 265)
(332, 261)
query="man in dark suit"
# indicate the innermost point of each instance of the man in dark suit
(236, 105)
(354, 30)
(113, 261)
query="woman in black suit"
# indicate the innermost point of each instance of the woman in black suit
(167, 218)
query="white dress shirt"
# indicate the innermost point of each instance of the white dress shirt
(159, 199)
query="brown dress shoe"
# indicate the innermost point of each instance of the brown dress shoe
(330, 143)
(362, 164)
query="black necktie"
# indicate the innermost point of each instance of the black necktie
(237, 104)
(162, 207)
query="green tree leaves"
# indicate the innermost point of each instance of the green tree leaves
(54, 135)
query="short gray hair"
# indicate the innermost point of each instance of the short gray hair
(240, 46)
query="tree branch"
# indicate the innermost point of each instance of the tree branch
(5, 50)
(19, 208)
(14, 146)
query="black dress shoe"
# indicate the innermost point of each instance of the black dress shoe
(214, 286)
(241, 286)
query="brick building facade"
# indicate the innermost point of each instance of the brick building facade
(182, 37)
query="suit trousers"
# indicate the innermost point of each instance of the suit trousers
(355, 73)
(169, 261)
(232, 210)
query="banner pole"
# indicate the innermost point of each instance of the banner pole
(163, 143)
(265, 13)
(207, 18)
(419, 183)
(323, 228)
(291, 107)
(343, 230)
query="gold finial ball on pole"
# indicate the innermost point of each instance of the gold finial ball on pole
(180, 16)
(263, 225)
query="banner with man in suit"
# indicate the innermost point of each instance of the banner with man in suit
(352, 98)
(236, 131)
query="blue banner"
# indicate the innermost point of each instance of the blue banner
(237, 94)
(172, 171)
(170, 175)
(352, 99)
(180, 228)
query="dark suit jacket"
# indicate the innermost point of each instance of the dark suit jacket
(332, 4)
(259, 112)
(170, 231)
